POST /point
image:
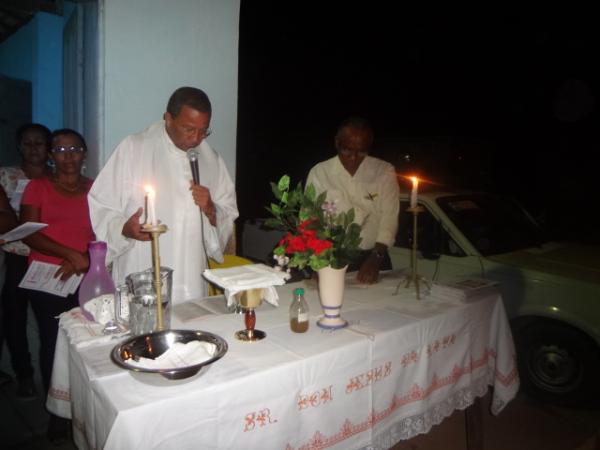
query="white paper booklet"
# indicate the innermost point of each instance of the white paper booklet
(15, 200)
(22, 231)
(40, 277)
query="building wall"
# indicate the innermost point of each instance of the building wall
(47, 70)
(152, 47)
(16, 53)
(34, 54)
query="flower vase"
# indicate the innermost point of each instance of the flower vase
(331, 293)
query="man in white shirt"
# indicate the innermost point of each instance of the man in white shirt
(353, 179)
(199, 216)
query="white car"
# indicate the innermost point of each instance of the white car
(551, 290)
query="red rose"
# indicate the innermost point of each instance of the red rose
(284, 239)
(304, 224)
(296, 244)
(309, 234)
(318, 245)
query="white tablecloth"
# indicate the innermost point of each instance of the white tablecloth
(401, 367)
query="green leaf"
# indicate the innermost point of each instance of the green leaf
(311, 192)
(284, 183)
(350, 215)
(276, 191)
(321, 199)
(273, 223)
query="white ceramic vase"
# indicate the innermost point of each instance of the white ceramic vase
(331, 293)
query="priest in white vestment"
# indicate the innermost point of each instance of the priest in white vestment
(199, 216)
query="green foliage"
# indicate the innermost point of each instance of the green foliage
(317, 236)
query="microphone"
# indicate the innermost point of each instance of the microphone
(193, 158)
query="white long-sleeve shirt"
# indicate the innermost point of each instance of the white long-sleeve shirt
(151, 158)
(373, 192)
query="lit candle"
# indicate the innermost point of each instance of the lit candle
(146, 207)
(413, 193)
(150, 195)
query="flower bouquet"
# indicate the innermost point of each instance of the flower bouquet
(318, 235)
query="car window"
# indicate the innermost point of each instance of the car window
(493, 224)
(432, 238)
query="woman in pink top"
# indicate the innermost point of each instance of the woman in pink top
(59, 200)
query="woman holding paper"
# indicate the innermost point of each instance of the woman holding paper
(33, 142)
(60, 201)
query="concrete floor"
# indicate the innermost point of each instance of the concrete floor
(23, 423)
(525, 424)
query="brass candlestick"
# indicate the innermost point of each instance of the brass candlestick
(414, 276)
(156, 231)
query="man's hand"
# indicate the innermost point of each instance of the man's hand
(133, 228)
(202, 199)
(369, 270)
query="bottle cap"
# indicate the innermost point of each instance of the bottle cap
(298, 291)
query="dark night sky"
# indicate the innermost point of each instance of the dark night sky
(499, 100)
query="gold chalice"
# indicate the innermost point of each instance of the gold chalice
(249, 300)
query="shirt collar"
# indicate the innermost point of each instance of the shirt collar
(339, 168)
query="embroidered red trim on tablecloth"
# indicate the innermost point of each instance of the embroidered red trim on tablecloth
(415, 393)
(59, 394)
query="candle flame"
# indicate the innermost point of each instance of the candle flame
(150, 191)
(415, 181)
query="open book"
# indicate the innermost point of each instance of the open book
(40, 277)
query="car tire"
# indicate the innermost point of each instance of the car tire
(557, 363)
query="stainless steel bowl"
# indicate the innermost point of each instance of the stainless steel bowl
(152, 345)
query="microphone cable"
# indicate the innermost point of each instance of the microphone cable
(193, 159)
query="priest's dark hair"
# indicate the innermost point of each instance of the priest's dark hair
(188, 96)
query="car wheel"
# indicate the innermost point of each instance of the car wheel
(557, 363)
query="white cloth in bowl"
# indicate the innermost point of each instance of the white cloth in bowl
(178, 355)
(251, 276)
(101, 308)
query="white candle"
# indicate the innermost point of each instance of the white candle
(413, 193)
(146, 207)
(151, 207)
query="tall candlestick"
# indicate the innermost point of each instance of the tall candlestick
(413, 193)
(150, 194)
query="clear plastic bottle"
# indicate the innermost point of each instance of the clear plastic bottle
(97, 282)
(299, 312)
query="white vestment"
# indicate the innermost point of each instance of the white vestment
(151, 158)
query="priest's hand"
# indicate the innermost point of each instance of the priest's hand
(132, 229)
(202, 199)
